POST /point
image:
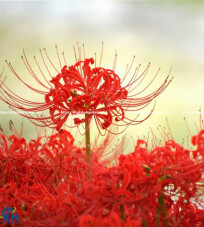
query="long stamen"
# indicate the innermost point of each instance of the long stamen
(45, 63)
(169, 128)
(95, 58)
(114, 61)
(84, 51)
(50, 60)
(64, 58)
(187, 127)
(101, 55)
(41, 72)
(75, 55)
(58, 57)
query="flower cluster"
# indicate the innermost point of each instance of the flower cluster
(42, 178)
(52, 182)
(46, 181)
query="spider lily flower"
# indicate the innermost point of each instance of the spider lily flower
(45, 180)
(138, 181)
(82, 88)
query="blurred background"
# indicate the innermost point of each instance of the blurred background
(165, 33)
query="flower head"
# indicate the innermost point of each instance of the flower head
(83, 88)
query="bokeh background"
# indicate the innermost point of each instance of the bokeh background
(165, 33)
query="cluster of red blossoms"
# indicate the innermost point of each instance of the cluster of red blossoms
(51, 182)
(46, 181)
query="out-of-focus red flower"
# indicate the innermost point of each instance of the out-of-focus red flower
(46, 181)
(141, 178)
(41, 179)
(83, 88)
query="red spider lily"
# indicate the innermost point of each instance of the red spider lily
(82, 88)
(41, 179)
(186, 214)
(46, 181)
(139, 181)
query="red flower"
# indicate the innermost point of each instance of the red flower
(142, 178)
(45, 180)
(80, 88)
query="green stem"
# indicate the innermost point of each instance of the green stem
(88, 144)
(158, 216)
(163, 209)
(122, 212)
(144, 222)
